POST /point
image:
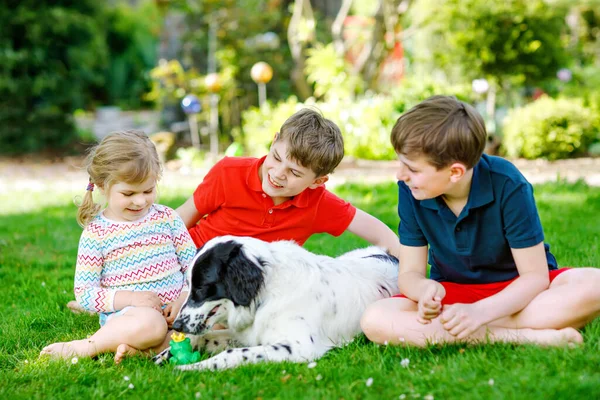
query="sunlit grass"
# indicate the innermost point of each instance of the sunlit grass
(38, 245)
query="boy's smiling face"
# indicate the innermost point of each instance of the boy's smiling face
(422, 178)
(283, 178)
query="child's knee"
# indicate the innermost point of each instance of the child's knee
(151, 325)
(371, 321)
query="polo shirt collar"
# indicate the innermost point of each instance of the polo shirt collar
(254, 183)
(481, 192)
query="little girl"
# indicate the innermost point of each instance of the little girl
(132, 255)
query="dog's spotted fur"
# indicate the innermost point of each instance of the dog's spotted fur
(277, 301)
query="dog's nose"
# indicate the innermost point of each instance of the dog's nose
(179, 324)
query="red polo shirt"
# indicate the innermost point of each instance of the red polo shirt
(233, 203)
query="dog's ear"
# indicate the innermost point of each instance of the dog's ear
(243, 278)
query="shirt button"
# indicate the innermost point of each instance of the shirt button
(457, 229)
(264, 195)
(271, 211)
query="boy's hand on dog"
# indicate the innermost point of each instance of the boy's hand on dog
(461, 320)
(430, 302)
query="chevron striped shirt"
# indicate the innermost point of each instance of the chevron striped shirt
(150, 254)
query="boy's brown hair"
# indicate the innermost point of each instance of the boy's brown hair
(443, 129)
(313, 141)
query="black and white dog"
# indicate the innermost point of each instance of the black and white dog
(277, 301)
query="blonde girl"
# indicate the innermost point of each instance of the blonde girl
(133, 253)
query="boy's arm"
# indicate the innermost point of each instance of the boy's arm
(375, 232)
(188, 213)
(414, 284)
(463, 319)
(533, 279)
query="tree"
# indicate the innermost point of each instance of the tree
(50, 58)
(505, 41)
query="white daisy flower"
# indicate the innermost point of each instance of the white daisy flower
(131, 386)
(198, 394)
(126, 378)
(402, 396)
(318, 377)
(491, 382)
(404, 363)
(74, 360)
(312, 364)
(428, 397)
(369, 382)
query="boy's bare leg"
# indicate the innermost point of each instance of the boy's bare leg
(139, 328)
(395, 321)
(572, 300)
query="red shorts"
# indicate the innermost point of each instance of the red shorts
(471, 293)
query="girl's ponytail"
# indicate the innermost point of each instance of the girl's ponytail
(87, 209)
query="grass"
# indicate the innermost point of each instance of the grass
(38, 245)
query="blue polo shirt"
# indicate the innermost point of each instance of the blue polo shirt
(474, 247)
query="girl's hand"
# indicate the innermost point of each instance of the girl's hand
(146, 299)
(172, 309)
(430, 302)
(461, 320)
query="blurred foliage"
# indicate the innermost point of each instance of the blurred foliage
(331, 74)
(366, 121)
(132, 39)
(505, 41)
(585, 84)
(51, 57)
(550, 128)
(56, 57)
(240, 26)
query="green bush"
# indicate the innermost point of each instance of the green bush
(51, 56)
(132, 39)
(365, 123)
(550, 128)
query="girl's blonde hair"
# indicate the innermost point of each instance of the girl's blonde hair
(122, 156)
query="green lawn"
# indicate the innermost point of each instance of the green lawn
(38, 246)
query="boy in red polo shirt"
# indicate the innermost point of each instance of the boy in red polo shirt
(282, 196)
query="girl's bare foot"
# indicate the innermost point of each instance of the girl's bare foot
(124, 350)
(75, 348)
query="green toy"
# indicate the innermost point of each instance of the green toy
(181, 350)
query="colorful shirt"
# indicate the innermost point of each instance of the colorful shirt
(151, 254)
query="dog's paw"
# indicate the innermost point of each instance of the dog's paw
(162, 357)
(189, 367)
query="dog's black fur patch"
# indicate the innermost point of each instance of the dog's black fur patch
(225, 272)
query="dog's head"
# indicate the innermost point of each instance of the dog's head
(224, 275)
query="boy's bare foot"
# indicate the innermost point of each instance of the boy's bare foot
(551, 337)
(64, 350)
(124, 350)
(76, 308)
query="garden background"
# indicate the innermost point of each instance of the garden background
(72, 71)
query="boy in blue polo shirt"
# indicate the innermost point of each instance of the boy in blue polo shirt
(473, 218)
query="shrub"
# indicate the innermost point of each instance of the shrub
(51, 55)
(550, 128)
(365, 123)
